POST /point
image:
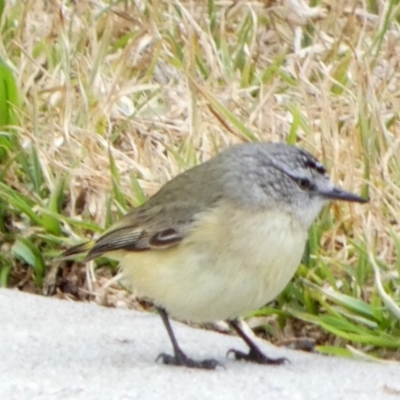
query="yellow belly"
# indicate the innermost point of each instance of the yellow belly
(233, 263)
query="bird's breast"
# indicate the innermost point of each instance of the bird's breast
(234, 261)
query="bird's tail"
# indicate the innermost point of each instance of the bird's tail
(80, 249)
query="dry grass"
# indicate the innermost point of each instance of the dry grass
(120, 97)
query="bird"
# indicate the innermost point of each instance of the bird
(221, 239)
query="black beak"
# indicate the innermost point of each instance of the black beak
(339, 194)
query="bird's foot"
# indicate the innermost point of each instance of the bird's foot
(181, 359)
(257, 356)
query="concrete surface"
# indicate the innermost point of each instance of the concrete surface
(56, 349)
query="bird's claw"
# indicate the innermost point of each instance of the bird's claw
(256, 356)
(180, 359)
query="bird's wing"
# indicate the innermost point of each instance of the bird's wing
(145, 228)
(166, 218)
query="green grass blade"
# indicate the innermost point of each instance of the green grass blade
(8, 96)
(20, 203)
(25, 250)
(2, 5)
(140, 196)
(333, 351)
(52, 222)
(5, 270)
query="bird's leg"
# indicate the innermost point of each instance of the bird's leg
(254, 354)
(179, 357)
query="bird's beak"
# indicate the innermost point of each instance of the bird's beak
(338, 194)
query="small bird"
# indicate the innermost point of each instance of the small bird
(221, 239)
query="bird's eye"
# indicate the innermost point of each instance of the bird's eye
(304, 183)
